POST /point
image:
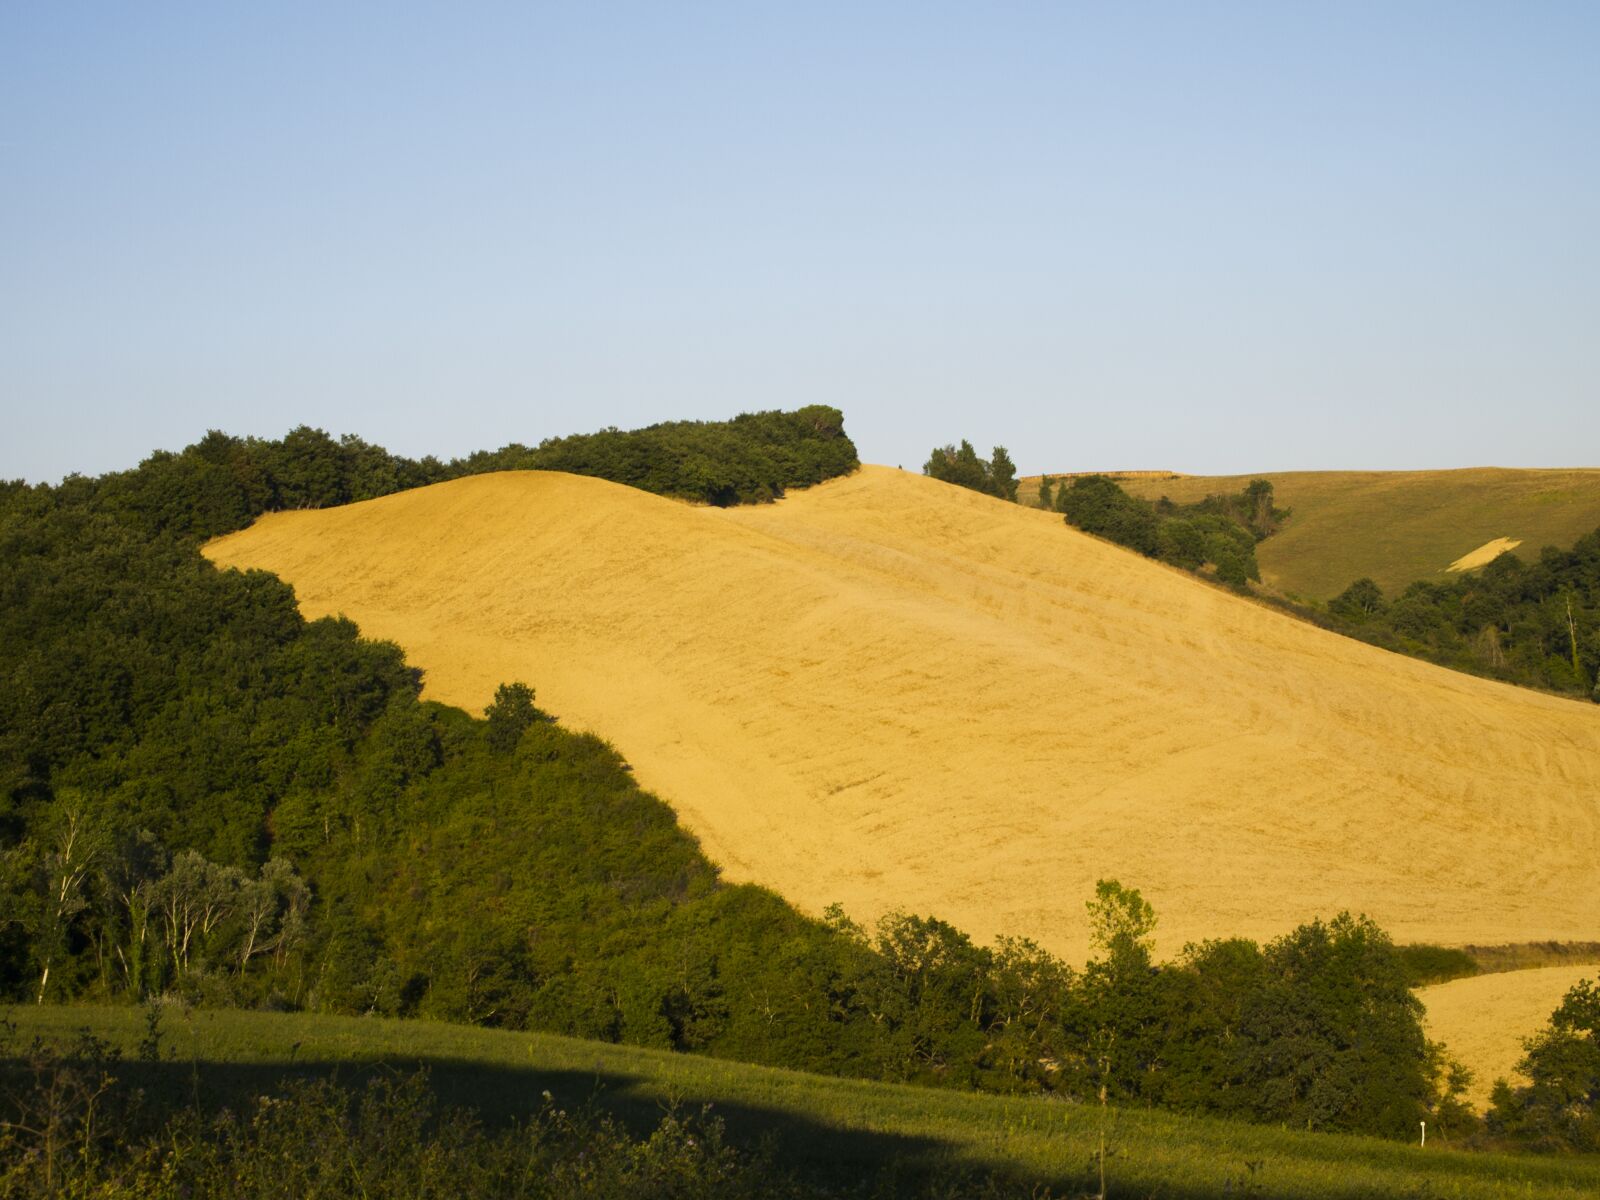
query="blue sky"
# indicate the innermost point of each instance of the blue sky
(1202, 236)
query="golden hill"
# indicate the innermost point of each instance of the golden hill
(1483, 1019)
(1394, 527)
(891, 692)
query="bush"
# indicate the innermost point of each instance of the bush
(1335, 1039)
(1360, 600)
(1095, 504)
(1425, 964)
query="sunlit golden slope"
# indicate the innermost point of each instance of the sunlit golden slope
(888, 691)
(1483, 1019)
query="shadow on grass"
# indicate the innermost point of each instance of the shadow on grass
(887, 1163)
(499, 1095)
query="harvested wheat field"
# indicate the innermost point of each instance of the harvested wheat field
(1484, 1018)
(890, 692)
(1484, 554)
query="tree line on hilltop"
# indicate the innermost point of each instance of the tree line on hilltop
(222, 483)
(751, 459)
(204, 795)
(993, 476)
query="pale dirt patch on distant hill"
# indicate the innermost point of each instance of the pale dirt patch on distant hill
(1484, 554)
(891, 692)
(1484, 1018)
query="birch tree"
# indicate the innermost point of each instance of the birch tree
(194, 898)
(73, 850)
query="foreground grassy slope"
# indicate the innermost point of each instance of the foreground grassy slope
(821, 1125)
(887, 691)
(1396, 527)
(1483, 1019)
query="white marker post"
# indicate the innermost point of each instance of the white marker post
(1424, 1125)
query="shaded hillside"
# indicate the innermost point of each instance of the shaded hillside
(893, 692)
(1395, 527)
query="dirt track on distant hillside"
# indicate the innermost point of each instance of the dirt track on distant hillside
(891, 692)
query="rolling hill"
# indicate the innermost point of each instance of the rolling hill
(1395, 527)
(889, 692)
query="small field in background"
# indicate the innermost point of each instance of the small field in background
(1395, 527)
(825, 1127)
(1483, 1019)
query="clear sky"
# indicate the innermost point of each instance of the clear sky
(1202, 236)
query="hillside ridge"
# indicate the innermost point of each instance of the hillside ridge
(890, 692)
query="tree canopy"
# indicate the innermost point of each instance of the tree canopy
(1218, 533)
(960, 465)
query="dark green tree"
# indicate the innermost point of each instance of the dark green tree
(1335, 1036)
(1121, 925)
(1095, 504)
(1359, 601)
(1002, 474)
(960, 465)
(509, 715)
(1262, 518)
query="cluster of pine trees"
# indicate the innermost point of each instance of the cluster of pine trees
(993, 476)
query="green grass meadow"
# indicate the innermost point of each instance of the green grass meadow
(825, 1127)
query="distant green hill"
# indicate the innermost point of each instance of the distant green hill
(1394, 527)
(841, 1134)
